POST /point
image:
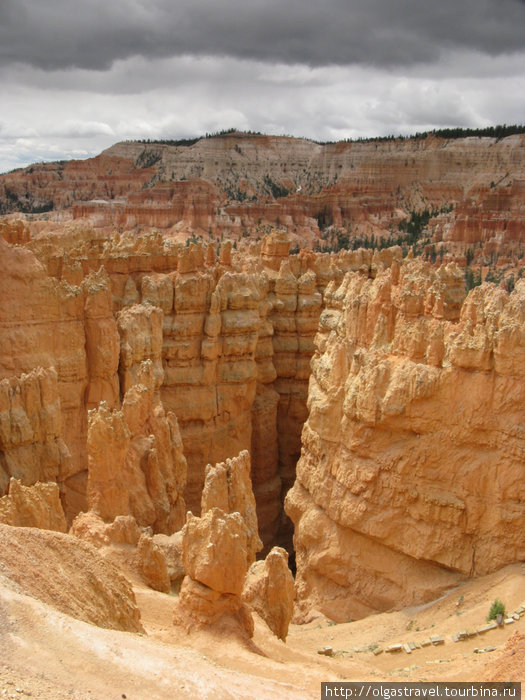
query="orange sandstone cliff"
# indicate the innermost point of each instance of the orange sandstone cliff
(129, 363)
(410, 475)
(110, 348)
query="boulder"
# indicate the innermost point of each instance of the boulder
(153, 564)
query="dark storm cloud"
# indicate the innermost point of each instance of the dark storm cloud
(78, 75)
(93, 34)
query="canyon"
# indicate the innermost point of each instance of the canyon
(129, 367)
(235, 185)
(193, 393)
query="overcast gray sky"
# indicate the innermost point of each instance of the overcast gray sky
(79, 75)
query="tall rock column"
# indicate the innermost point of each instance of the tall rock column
(266, 479)
(102, 342)
(296, 309)
(228, 486)
(135, 461)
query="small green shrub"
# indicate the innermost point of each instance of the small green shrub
(497, 608)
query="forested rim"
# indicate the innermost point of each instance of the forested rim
(499, 132)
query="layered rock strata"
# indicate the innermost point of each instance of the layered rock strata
(233, 184)
(69, 332)
(229, 341)
(410, 471)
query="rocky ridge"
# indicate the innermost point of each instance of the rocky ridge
(237, 184)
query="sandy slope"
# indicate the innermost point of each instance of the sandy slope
(50, 655)
(54, 656)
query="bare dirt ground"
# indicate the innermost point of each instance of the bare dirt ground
(46, 654)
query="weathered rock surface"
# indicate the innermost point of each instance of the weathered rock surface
(66, 331)
(124, 530)
(69, 575)
(171, 546)
(214, 554)
(202, 607)
(107, 444)
(31, 438)
(156, 452)
(153, 564)
(269, 590)
(410, 472)
(92, 528)
(140, 330)
(135, 460)
(102, 342)
(214, 550)
(228, 486)
(33, 506)
(155, 558)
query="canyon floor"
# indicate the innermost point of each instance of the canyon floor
(46, 654)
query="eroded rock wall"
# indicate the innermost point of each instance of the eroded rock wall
(229, 339)
(135, 461)
(32, 447)
(69, 332)
(212, 333)
(410, 475)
